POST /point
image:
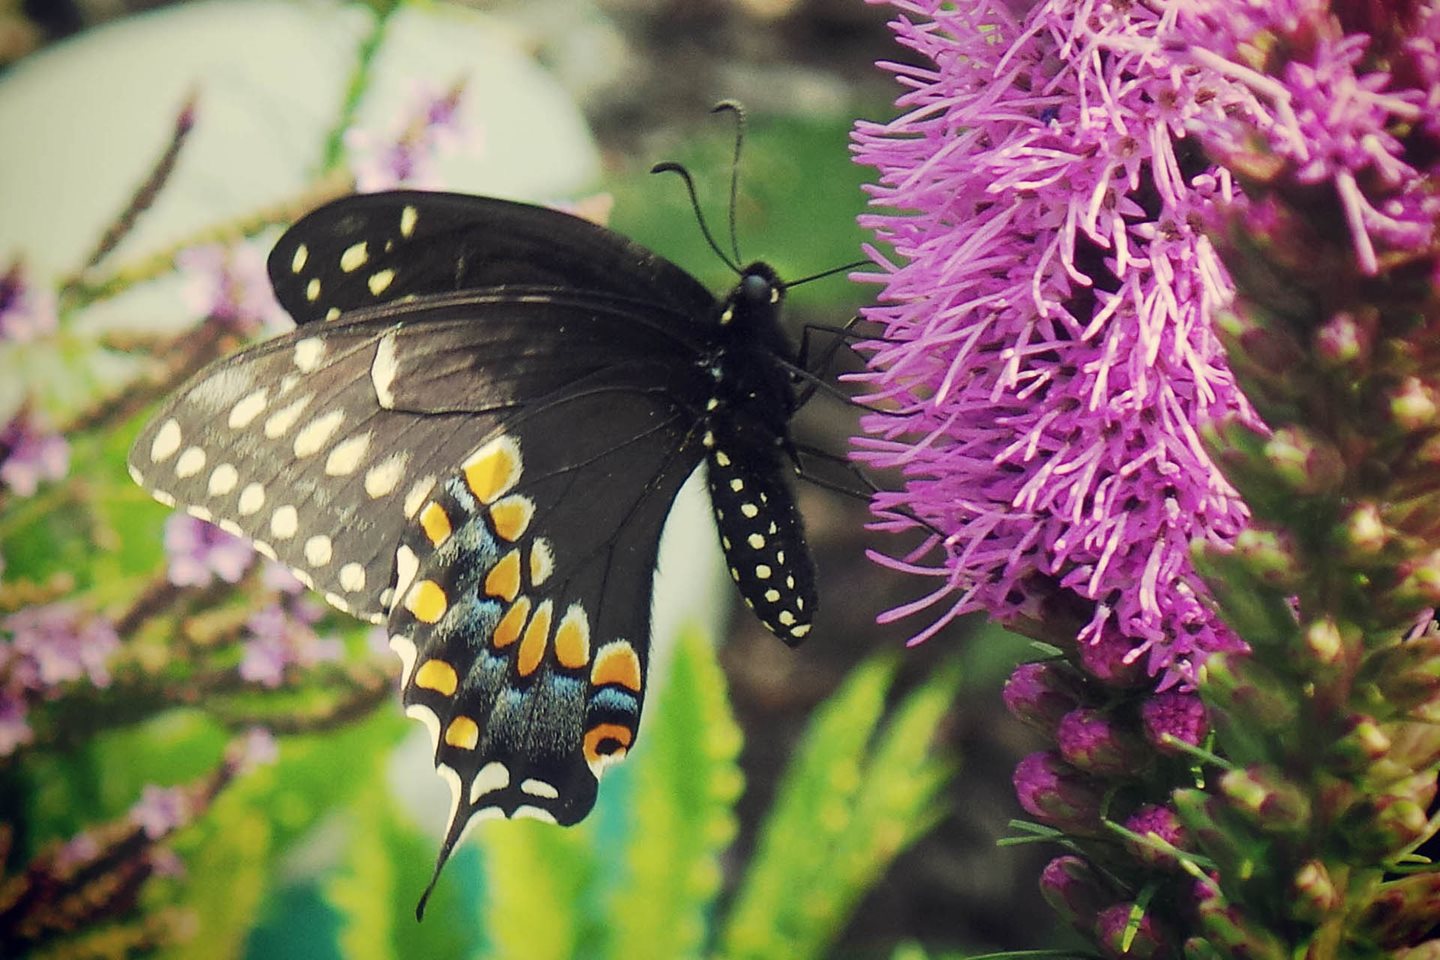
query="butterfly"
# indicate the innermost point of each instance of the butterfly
(473, 436)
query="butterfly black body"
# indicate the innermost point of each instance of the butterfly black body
(474, 436)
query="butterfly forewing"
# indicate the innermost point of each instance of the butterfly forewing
(381, 247)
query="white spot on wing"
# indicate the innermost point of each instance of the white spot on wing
(284, 522)
(223, 479)
(252, 498)
(317, 550)
(191, 462)
(352, 577)
(493, 776)
(527, 812)
(283, 419)
(404, 648)
(347, 455)
(539, 788)
(383, 369)
(315, 434)
(308, 353)
(166, 442)
(406, 564)
(248, 409)
(417, 495)
(382, 479)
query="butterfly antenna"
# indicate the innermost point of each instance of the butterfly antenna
(734, 106)
(828, 273)
(675, 168)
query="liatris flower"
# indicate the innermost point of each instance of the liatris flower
(1311, 751)
(1046, 313)
(430, 125)
(228, 285)
(26, 311)
(30, 454)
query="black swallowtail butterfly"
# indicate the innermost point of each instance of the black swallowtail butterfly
(474, 436)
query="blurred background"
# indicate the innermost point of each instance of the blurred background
(571, 100)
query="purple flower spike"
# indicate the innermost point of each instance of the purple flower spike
(201, 552)
(281, 638)
(229, 285)
(26, 312)
(1046, 300)
(405, 155)
(30, 454)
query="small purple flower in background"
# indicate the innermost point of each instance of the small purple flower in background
(161, 810)
(404, 155)
(278, 577)
(43, 648)
(1046, 310)
(257, 748)
(282, 635)
(200, 552)
(228, 284)
(30, 454)
(26, 311)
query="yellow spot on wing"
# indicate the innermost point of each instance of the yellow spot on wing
(616, 662)
(435, 522)
(572, 638)
(511, 516)
(408, 216)
(537, 636)
(507, 631)
(462, 732)
(426, 600)
(312, 289)
(494, 469)
(354, 257)
(503, 580)
(380, 281)
(437, 675)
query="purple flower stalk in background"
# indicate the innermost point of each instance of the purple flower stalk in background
(30, 454)
(1046, 305)
(228, 284)
(430, 125)
(283, 635)
(42, 649)
(26, 311)
(200, 552)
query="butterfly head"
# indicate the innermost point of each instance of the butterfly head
(756, 297)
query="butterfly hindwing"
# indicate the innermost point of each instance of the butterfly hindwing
(382, 247)
(523, 610)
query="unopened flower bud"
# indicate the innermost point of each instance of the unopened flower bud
(1173, 716)
(1236, 935)
(1267, 799)
(1039, 694)
(1161, 827)
(1343, 341)
(1401, 676)
(1362, 744)
(1365, 533)
(1403, 910)
(1147, 941)
(1429, 950)
(1324, 641)
(1269, 555)
(1412, 405)
(1092, 741)
(1305, 462)
(1217, 832)
(1110, 658)
(1236, 685)
(1313, 896)
(1058, 794)
(1379, 826)
(1419, 581)
(1075, 890)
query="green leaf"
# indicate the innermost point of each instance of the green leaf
(686, 783)
(841, 816)
(538, 879)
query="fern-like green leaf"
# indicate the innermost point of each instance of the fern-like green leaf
(686, 783)
(538, 881)
(844, 810)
